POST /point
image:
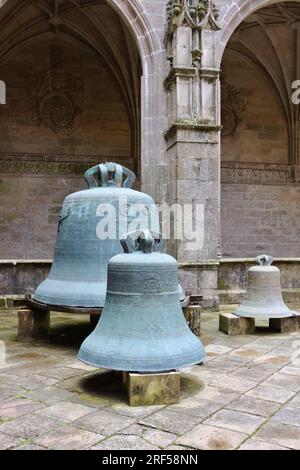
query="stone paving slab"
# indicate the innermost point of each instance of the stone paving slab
(282, 434)
(66, 411)
(104, 422)
(256, 444)
(135, 411)
(291, 371)
(295, 402)
(271, 394)
(159, 438)
(217, 395)
(255, 372)
(80, 365)
(284, 381)
(246, 396)
(10, 391)
(50, 395)
(13, 408)
(171, 421)
(234, 383)
(7, 442)
(125, 443)
(36, 382)
(272, 359)
(67, 437)
(256, 406)
(213, 350)
(195, 407)
(287, 416)
(63, 372)
(29, 426)
(29, 447)
(207, 437)
(236, 421)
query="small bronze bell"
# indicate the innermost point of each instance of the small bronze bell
(264, 298)
(142, 327)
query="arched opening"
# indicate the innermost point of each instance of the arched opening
(73, 75)
(260, 139)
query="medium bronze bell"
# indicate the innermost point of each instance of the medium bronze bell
(78, 275)
(264, 298)
(142, 327)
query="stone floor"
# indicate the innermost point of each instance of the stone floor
(245, 397)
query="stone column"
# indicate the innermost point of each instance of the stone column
(193, 140)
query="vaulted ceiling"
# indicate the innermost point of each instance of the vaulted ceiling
(90, 25)
(271, 39)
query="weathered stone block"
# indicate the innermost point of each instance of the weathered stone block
(33, 324)
(233, 325)
(247, 326)
(298, 320)
(152, 389)
(229, 324)
(284, 325)
(192, 315)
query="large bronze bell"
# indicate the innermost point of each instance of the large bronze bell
(78, 276)
(142, 327)
(264, 298)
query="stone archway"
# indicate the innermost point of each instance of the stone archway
(151, 50)
(236, 13)
(84, 49)
(152, 55)
(260, 146)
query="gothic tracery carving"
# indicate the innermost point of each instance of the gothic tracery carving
(56, 93)
(195, 13)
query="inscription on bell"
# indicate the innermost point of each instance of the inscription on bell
(151, 284)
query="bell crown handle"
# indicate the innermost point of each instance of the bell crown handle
(264, 260)
(147, 241)
(109, 174)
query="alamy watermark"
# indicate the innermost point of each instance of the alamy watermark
(183, 222)
(296, 92)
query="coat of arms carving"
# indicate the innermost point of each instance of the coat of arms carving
(57, 96)
(234, 102)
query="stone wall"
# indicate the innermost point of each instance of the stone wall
(259, 133)
(260, 218)
(43, 156)
(259, 157)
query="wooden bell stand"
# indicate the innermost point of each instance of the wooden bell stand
(34, 318)
(234, 325)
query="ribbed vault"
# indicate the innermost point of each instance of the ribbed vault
(260, 39)
(91, 25)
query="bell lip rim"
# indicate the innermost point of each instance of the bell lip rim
(201, 361)
(291, 314)
(66, 305)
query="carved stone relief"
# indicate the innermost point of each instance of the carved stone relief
(196, 14)
(57, 96)
(233, 103)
